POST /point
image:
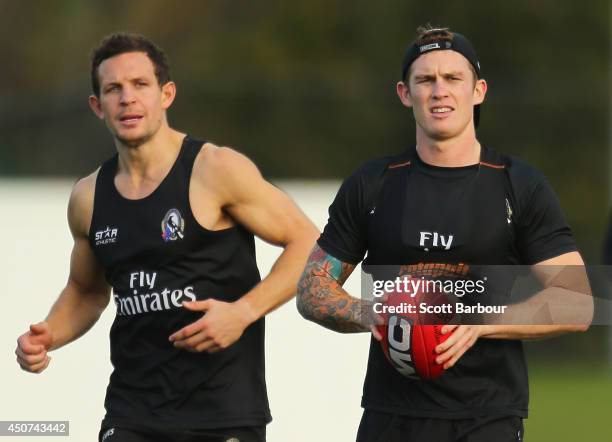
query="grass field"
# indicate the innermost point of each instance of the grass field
(569, 403)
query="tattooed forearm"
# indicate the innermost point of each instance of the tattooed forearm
(322, 299)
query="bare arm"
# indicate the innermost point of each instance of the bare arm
(565, 302)
(86, 294)
(566, 298)
(322, 299)
(272, 216)
(81, 302)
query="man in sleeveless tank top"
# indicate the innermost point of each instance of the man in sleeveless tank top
(446, 202)
(165, 229)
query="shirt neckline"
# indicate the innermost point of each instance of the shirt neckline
(115, 167)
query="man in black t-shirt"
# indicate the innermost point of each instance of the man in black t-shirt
(447, 201)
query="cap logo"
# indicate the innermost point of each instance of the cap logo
(429, 47)
(432, 46)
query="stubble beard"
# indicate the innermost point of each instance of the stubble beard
(133, 143)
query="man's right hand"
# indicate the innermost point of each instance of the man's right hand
(32, 347)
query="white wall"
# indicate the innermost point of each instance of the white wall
(314, 376)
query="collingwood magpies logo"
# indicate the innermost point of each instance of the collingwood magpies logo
(173, 226)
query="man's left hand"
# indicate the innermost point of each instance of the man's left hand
(462, 338)
(222, 324)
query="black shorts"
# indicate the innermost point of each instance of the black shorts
(383, 427)
(239, 434)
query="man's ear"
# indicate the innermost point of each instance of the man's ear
(403, 92)
(480, 91)
(94, 104)
(168, 94)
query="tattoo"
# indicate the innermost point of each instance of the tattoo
(322, 299)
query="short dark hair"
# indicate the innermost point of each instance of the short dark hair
(122, 42)
(428, 33)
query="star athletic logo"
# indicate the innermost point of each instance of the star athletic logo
(173, 226)
(106, 236)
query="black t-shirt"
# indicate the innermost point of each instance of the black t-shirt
(156, 255)
(402, 211)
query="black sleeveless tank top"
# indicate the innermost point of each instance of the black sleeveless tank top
(155, 256)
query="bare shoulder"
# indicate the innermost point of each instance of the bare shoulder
(225, 160)
(80, 206)
(225, 169)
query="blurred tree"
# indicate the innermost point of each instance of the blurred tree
(307, 88)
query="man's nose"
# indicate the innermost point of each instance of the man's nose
(127, 95)
(439, 88)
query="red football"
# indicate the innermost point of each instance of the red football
(410, 335)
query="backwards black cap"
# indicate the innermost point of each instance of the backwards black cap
(457, 43)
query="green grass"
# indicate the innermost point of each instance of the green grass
(569, 404)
